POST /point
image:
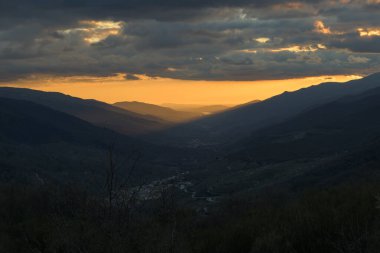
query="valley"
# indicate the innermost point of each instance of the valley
(280, 145)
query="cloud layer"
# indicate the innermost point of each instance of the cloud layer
(189, 39)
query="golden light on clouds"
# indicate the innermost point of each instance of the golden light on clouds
(320, 27)
(369, 32)
(95, 31)
(172, 69)
(263, 40)
(165, 90)
(293, 49)
(297, 49)
(248, 51)
(100, 30)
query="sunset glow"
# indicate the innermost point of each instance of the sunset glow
(369, 32)
(165, 90)
(95, 31)
(320, 27)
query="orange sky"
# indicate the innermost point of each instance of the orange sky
(160, 90)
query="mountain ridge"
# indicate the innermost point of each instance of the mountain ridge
(225, 127)
(90, 110)
(164, 113)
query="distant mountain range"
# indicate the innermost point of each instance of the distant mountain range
(241, 121)
(327, 144)
(98, 113)
(131, 118)
(40, 144)
(199, 109)
(340, 126)
(26, 122)
(164, 113)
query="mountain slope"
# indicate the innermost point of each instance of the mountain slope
(241, 121)
(39, 142)
(98, 113)
(335, 127)
(161, 112)
(333, 143)
(29, 123)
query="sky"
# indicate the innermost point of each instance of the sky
(162, 91)
(186, 51)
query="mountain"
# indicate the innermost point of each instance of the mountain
(30, 123)
(161, 112)
(231, 125)
(38, 143)
(336, 127)
(326, 145)
(199, 109)
(98, 113)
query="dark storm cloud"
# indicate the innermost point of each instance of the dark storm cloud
(188, 39)
(118, 6)
(356, 43)
(131, 77)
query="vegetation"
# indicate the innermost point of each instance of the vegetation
(51, 219)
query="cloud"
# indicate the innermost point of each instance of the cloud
(321, 28)
(358, 44)
(200, 40)
(131, 77)
(357, 59)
